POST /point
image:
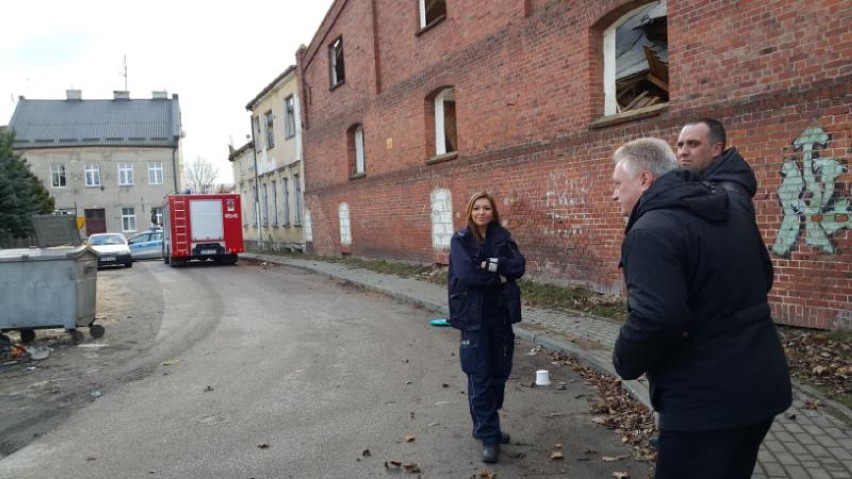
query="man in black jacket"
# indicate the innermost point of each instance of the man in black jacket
(699, 325)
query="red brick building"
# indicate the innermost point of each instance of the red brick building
(529, 98)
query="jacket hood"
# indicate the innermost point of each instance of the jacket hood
(682, 190)
(733, 168)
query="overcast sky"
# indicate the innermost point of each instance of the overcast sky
(217, 56)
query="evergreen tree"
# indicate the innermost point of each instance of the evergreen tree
(21, 192)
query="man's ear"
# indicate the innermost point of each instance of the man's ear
(718, 149)
(647, 179)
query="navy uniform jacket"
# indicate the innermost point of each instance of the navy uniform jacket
(468, 281)
(699, 323)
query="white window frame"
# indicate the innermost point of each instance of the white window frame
(358, 138)
(423, 20)
(610, 68)
(447, 94)
(336, 46)
(125, 174)
(128, 220)
(58, 178)
(155, 172)
(93, 175)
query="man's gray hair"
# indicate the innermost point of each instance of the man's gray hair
(652, 154)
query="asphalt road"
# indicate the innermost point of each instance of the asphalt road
(272, 372)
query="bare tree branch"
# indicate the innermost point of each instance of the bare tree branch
(200, 175)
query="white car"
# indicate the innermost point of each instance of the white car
(111, 248)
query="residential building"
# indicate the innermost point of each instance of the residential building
(108, 161)
(269, 171)
(410, 107)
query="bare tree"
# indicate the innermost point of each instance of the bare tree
(200, 175)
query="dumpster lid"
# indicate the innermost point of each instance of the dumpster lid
(17, 255)
(56, 230)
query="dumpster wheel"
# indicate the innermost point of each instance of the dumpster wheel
(96, 331)
(27, 335)
(76, 336)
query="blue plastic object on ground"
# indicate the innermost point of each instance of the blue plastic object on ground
(440, 323)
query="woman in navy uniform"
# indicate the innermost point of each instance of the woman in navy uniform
(484, 302)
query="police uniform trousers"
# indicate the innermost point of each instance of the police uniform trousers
(486, 358)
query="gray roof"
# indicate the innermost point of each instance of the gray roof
(78, 123)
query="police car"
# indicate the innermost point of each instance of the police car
(147, 244)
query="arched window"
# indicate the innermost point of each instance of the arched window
(446, 137)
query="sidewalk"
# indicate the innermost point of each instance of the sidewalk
(804, 443)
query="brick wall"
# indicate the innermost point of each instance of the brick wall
(527, 76)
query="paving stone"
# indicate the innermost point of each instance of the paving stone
(795, 472)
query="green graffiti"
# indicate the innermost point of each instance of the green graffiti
(808, 194)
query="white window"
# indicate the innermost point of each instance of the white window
(285, 200)
(432, 11)
(297, 186)
(442, 218)
(125, 174)
(57, 176)
(155, 172)
(128, 220)
(290, 123)
(446, 139)
(358, 139)
(635, 51)
(93, 175)
(335, 62)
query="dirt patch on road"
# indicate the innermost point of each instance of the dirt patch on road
(38, 395)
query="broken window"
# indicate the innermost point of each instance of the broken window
(636, 70)
(432, 11)
(270, 131)
(335, 60)
(290, 123)
(446, 137)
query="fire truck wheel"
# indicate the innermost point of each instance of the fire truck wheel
(27, 335)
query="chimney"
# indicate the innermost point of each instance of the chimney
(121, 95)
(73, 95)
(159, 95)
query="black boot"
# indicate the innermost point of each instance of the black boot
(490, 453)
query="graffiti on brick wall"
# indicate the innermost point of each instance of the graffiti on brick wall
(562, 199)
(808, 196)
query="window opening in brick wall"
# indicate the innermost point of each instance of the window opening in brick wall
(270, 134)
(356, 150)
(442, 218)
(432, 11)
(290, 120)
(636, 71)
(345, 230)
(335, 61)
(57, 176)
(446, 138)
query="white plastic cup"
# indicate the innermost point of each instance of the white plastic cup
(542, 377)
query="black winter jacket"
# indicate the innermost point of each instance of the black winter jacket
(468, 282)
(699, 323)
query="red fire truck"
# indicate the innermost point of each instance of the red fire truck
(202, 227)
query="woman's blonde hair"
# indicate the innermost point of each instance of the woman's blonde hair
(473, 199)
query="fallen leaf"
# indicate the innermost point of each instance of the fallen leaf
(409, 438)
(263, 446)
(170, 362)
(411, 468)
(556, 456)
(389, 464)
(620, 475)
(366, 453)
(613, 458)
(486, 474)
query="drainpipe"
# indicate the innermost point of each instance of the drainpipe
(256, 189)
